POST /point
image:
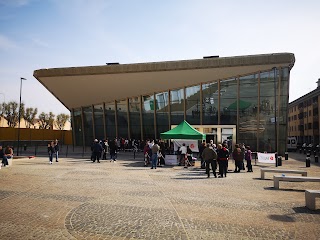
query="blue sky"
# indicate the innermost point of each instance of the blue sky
(37, 34)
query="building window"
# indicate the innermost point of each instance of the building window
(134, 113)
(210, 96)
(309, 125)
(193, 104)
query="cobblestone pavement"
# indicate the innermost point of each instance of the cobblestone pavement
(78, 199)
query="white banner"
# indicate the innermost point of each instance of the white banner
(266, 158)
(193, 144)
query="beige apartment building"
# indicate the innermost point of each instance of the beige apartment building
(303, 117)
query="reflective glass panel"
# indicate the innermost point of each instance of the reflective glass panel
(228, 101)
(98, 121)
(162, 100)
(110, 120)
(193, 104)
(134, 110)
(88, 125)
(77, 128)
(210, 95)
(177, 106)
(248, 111)
(122, 113)
(148, 107)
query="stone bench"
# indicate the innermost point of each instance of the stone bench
(278, 178)
(310, 196)
(279, 170)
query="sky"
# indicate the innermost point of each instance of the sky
(37, 34)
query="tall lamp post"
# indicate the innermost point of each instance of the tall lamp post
(19, 115)
(275, 115)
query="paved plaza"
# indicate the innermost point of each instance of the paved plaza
(78, 199)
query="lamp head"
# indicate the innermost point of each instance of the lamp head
(23, 78)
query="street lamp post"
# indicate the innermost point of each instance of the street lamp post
(19, 115)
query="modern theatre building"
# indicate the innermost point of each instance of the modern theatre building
(243, 98)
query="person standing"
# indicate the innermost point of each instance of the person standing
(223, 156)
(248, 157)
(97, 150)
(209, 155)
(154, 158)
(113, 149)
(238, 158)
(201, 148)
(56, 149)
(50, 151)
(183, 153)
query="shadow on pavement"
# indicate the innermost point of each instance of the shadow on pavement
(286, 190)
(305, 210)
(281, 218)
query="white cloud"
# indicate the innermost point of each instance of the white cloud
(6, 43)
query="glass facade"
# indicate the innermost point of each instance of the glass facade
(88, 125)
(122, 118)
(177, 106)
(228, 101)
(148, 108)
(110, 120)
(162, 112)
(247, 102)
(210, 103)
(98, 121)
(134, 111)
(249, 125)
(193, 104)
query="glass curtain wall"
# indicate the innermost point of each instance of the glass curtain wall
(98, 121)
(88, 125)
(268, 86)
(162, 111)
(249, 126)
(110, 120)
(193, 104)
(122, 114)
(210, 96)
(228, 101)
(177, 106)
(77, 128)
(134, 111)
(283, 109)
(148, 116)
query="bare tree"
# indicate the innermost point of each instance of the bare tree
(10, 112)
(29, 116)
(61, 121)
(46, 120)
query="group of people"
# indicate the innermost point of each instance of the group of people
(154, 152)
(53, 150)
(5, 154)
(211, 155)
(100, 149)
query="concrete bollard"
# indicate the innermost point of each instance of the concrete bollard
(286, 156)
(279, 161)
(307, 161)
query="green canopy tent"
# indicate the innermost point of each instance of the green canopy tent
(242, 105)
(183, 131)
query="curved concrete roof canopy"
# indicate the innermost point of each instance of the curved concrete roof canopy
(83, 86)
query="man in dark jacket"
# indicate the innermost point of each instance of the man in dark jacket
(223, 157)
(96, 150)
(209, 155)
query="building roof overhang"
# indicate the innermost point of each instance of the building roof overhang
(84, 86)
